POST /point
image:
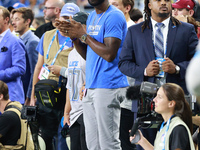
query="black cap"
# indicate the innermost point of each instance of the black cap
(81, 17)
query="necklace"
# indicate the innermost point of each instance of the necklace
(99, 18)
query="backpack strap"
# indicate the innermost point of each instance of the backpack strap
(12, 106)
(19, 114)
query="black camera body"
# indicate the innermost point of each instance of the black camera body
(144, 94)
(146, 116)
(29, 113)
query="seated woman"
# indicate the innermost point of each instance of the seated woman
(175, 132)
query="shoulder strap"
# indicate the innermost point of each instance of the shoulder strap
(12, 106)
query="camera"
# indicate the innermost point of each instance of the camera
(144, 94)
(29, 113)
(146, 116)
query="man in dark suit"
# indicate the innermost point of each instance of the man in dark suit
(139, 57)
(22, 19)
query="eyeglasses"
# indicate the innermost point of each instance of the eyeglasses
(49, 7)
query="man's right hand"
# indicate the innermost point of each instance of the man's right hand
(66, 119)
(32, 101)
(153, 68)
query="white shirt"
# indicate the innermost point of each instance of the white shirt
(76, 78)
(130, 23)
(3, 34)
(164, 31)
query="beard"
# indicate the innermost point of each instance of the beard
(96, 3)
(163, 15)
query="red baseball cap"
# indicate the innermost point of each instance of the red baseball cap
(189, 4)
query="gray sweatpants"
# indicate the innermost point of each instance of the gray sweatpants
(101, 113)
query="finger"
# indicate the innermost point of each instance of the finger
(49, 67)
(71, 20)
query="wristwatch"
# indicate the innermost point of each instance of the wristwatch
(177, 68)
(84, 37)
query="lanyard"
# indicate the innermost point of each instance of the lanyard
(166, 129)
(47, 56)
(61, 48)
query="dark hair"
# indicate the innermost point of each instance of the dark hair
(195, 23)
(6, 13)
(147, 15)
(27, 13)
(135, 14)
(182, 108)
(4, 90)
(128, 2)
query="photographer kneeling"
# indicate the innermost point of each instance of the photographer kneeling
(13, 131)
(175, 132)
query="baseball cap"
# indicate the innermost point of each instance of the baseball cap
(16, 6)
(69, 9)
(81, 17)
(189, 4)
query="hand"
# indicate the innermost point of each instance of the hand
(27, 102)
(55, 69)
(81, 92)
(153, 68)
(168, 66)
(33, 100)
(71, 29)
(182, 18)
(133, 137)
(66, 119)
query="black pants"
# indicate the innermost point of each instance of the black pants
(126, 123)
(77, 135)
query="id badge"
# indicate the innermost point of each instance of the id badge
(44, 72)
(161, 72)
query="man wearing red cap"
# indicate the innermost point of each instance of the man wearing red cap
(183, 7)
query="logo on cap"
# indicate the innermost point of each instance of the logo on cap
(16, 5)
(70, 9)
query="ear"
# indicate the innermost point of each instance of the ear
(7, 19)
(1, 96)
(171, 104)
(191, 12)
(57, 10)
(149, 5)
(28, 21)
(128, 8)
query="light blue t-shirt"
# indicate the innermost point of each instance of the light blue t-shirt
(61, 40)
(99, 72)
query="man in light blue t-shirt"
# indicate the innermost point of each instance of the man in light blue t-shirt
(101, 45)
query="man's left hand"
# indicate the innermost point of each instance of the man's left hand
(168, 66)
(71, 29)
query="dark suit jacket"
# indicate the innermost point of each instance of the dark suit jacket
(138, 51)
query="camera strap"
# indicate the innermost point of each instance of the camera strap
(12, 106)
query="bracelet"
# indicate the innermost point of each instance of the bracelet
(67, 113)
